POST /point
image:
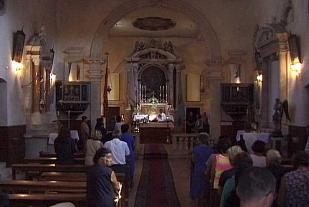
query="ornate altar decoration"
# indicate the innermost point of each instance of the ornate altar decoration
(154, 72)
(73, 97)
(152, 76)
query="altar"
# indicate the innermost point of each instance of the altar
(156, 132)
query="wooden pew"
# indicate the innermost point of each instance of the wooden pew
(52, 154)
(51, 160)
(64, 176)
(72, 177)
(28, 186)
(44, 200)
(46, 168)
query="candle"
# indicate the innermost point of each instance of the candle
(140, 91)
(160, 93)
(166, 92)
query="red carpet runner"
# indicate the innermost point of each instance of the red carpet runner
(156, 187)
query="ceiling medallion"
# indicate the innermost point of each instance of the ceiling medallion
(154, 23)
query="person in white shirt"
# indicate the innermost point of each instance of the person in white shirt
(118, 125)
(161, 116)
(119, 150)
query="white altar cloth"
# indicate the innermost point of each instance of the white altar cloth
(251, 137)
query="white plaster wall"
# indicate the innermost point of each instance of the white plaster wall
(298, 21)
(24, 14)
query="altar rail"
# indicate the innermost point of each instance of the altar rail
(189, 139)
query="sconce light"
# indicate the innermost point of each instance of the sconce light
(259, 77)
(294, 47)
(18, 46)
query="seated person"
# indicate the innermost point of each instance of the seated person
(64, 147)
(161, 116)
(101, 181)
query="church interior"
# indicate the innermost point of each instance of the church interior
(160, 65)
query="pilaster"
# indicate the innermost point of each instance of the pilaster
(95, 75)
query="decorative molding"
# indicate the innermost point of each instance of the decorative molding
(154, 23)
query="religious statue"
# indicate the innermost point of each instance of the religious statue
(277, 116)
(279, 109)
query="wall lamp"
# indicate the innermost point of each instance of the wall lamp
(259, 77)
(18, 48)
(294, 48)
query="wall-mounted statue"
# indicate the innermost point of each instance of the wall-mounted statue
(279, 109)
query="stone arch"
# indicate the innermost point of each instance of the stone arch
(207, 32)
(3, 102)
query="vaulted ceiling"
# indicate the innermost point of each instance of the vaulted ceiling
(155, 22)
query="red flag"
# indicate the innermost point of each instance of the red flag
(105, 97)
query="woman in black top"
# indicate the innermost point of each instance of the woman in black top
(102, 181)
(65, 147)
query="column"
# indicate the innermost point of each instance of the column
(95, 75)
(214, 78)
(283, 61)
(170, 84)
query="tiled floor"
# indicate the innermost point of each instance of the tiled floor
(179, 160)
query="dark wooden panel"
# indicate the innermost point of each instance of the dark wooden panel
(12, 142)
(297, 139)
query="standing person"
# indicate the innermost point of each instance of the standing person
(64, 147)
(161, 116)
(256, 187)
(294, 188)
(119, 150)
(206, 127)
(118, 124)
(92, 145)
(216, 165)
(100, 127)
(198, 126)
(129, 139)
(200, 155)
(190, 122)
(258, 157)
(84, 133)
(101, 181)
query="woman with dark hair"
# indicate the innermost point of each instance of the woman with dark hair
(294, 188)
(258, 158)
(100, 127)
(200, 155)
(64, 147)
(101, 181)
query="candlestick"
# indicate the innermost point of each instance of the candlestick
(140, 92)
(166, 93)
(160, 94)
